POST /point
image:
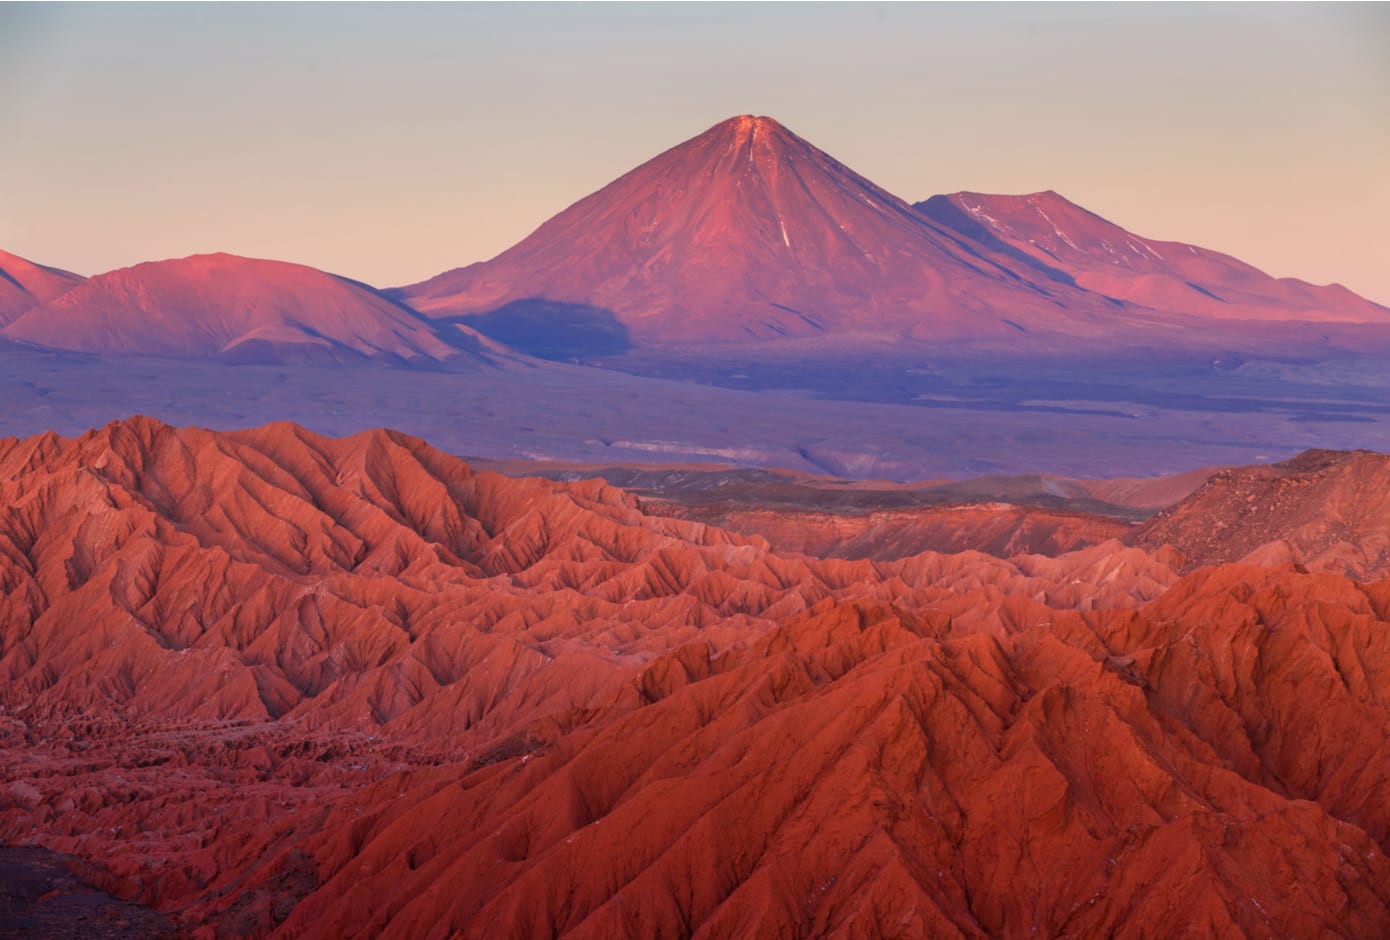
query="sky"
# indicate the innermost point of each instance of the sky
(392, 142)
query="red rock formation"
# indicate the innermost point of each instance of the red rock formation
(295, 566)
(238, 309)
(277, 683)
(1326, 510)
(866, 771)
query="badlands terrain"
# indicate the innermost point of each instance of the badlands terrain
(270, 683)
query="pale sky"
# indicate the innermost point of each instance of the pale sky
(392, 142)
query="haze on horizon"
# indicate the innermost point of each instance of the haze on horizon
(392, 142)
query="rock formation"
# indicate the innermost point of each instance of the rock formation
(278, 684)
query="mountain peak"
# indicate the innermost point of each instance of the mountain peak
(761, 140)
(745, 231)
(1051, 199)
(747, 125)
(742, 120)
(750, 122)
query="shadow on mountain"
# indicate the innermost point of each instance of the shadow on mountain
(941, 209)
(552, 329)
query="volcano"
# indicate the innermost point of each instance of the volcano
(229, 308)
(749, 232)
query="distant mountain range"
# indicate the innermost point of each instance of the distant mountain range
(749, 233)
(744, 234)
(235, 309)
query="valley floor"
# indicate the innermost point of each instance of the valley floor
(866, 420)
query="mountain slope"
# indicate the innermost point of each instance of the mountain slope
(749, 232)
(24, 284)
(238, 309)
(1327, 510)
(1056, 234)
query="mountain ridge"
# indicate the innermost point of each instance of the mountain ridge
(1322, 510)
(223, 306)
(1054, 232)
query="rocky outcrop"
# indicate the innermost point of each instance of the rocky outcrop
(1325, 510)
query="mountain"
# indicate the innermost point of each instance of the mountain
(277, 684)
(1326, 510)
(24, 284)
(236, 309)
(749, 232)
(1046, 230)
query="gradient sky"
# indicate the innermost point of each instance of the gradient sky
(392, 142)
